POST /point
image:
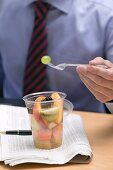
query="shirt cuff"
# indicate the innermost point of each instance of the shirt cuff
(109, 105)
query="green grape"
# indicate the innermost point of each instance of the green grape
(46, 59)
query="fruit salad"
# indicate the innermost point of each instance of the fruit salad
(47, 121)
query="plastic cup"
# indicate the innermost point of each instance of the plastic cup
(47, 117)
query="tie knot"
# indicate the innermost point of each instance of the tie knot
(41, 9)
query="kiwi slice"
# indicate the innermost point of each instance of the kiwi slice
(50, 114)
(49, 118)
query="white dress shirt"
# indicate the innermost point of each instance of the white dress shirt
(78, 31)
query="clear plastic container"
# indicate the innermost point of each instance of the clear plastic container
(46, 112)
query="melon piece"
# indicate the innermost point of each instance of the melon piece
(58, 103)
(44, 134)
(36, 111)
(57, 135)
(34, 123)
(42, 123)
(52, 125)
(42, 138)
(43, 145)
(37, 105)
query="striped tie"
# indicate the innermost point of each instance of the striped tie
(35, 72)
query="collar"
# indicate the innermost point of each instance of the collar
(62, 5)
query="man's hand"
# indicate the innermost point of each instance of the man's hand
(98, 80)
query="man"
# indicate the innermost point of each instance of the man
(78, 31)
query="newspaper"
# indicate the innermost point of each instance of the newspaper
(20, 149)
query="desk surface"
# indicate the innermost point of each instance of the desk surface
(99, 129)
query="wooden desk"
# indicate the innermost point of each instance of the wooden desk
(99, 128)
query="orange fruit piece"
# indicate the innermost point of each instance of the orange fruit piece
(55, 96)
(59, 103)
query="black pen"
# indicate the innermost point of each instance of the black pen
(16, 132)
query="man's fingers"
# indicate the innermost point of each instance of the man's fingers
(99, 88)
(100, 81)
(97, 60)
(99, 96)
(102, 72)
(101, 61)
